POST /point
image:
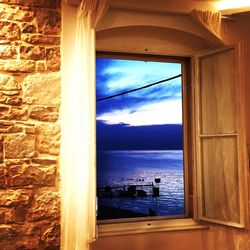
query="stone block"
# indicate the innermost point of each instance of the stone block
(2, 173)
(30, 130)
(25, 175)
(40, 66)
(30, 229)
(23, 237)
(9, 216)
(46, 205)
(8, 52)
(44, 161)
(20, 214)
(13, 113)
(9, 127)
(42, 89)
(17, 198)
(48, 138)
(44, 113)
(9, 83)
(16, 66)
(41, 39)
(49, 22)
(19, 146)
(53, 59)
(16, 14)
(1, 150)
(32, 53)
(6, 232)
(22, 242)
(2, 215)
(10, 98)
(34, 3)
(3, 109)
(9, 31)
(3, 183)
(18, 114)
(10, 162)
(28, 28)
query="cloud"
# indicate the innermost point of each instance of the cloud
(160, 104)
(127, 74)
(165, 112)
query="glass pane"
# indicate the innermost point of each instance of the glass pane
(218, 93)
(220, 179)
(139, 139)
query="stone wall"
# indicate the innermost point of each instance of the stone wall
(29, 127)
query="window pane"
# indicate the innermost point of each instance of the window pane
(217, 90)
(139, 139)
(220, 179)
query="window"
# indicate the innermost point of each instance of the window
(214, 141)
(141, 116)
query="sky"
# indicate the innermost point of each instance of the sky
(146, 119)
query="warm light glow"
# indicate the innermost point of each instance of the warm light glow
(232, 4)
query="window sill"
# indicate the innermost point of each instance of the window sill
(148, 227)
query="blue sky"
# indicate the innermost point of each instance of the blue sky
(157, 105)
(148, 119)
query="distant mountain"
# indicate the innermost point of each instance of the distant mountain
(155, 137)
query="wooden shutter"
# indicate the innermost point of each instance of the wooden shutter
(220, 138)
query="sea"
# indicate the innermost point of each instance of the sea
(145, 169)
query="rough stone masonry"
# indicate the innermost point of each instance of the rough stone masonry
(29, 127)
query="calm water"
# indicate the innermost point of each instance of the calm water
(119, 168)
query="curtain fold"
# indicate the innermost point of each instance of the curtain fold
(78, 166)
(211, 22)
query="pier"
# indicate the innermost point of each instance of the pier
(127, 191)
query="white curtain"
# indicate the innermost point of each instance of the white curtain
(212, 20)
(77, 163)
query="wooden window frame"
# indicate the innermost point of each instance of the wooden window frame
(186, 123)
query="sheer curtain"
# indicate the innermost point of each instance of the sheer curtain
(211, 22)
(77, 163)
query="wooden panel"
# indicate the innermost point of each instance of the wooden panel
(220, 141)
(217, 92)
(220, 179)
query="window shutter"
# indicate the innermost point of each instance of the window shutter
(220, 139)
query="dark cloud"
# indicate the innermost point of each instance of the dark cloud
(123, 137)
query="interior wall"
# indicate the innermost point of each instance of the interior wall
(29, 124)
(135, 31)
(216, 237)
(147, 39)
